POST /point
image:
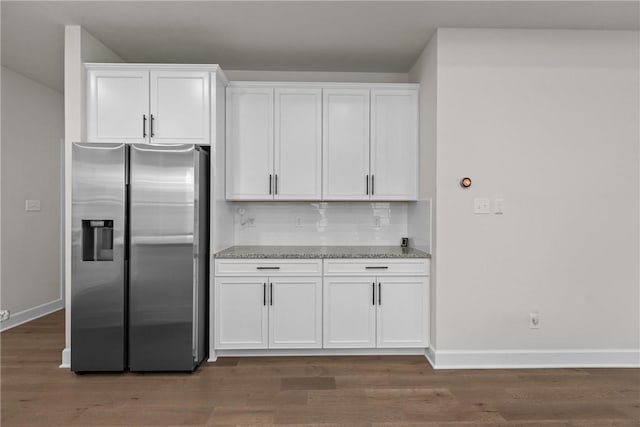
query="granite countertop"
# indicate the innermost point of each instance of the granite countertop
(262, 252)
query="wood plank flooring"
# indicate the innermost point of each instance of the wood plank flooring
(349, 391)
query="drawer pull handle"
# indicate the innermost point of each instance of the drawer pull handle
(379, 293)
(267, 268)
(376, 268)
(264, 294)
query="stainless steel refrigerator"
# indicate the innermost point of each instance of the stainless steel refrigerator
(139, 257)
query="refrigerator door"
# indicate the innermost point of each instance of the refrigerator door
(163, 267)
(98, 258)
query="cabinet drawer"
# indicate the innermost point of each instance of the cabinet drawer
(376, 267)
(268, 267)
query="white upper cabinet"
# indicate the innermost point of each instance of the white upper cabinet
(179, 107)
(250, 143)
(274, 143)
(346, 144)
(146, 105)
(298, 144)
(118, 106)
(336, 142)
(394, 144)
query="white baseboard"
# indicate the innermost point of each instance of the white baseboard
(322, 352)
(522, 359)
(31, 314)
(430, 355)
(66, 358)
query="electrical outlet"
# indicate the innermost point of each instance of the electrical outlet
(498, 206)
(534, 320)
(4, 315)
(32, 205)
(298, 222)
(481, 205)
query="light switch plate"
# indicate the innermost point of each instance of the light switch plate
(32, 205)
(481, 205)
(498, 206)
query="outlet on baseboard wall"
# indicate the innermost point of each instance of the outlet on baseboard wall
(534, 320)
(4, 315)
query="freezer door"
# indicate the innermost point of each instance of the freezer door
(98, 265)
(162, 262)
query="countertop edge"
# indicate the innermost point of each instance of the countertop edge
(320, 252)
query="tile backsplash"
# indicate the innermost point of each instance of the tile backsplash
(320, 223)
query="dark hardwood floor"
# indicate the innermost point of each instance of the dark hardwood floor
(350, 391)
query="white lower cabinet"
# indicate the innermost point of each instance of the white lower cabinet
(349, 312)
(242, 315)
(268, 312)
(286, 304)
(402, 308)
(295, 312)
(383, 312)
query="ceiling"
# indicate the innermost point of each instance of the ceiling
(363, 36)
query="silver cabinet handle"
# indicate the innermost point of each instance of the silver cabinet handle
(267, 268)
(366, 183)
(144, 125)
(379, 293)
(264, 294)
(372, 186)
(376, 268)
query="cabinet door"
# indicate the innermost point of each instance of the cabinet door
(349, 315)
(249, 143)
(345, 144)
(295, 312)
(118, 106)
(179, 107)
(298, 144)
(394, 144)
(242, 314)
(402, 311)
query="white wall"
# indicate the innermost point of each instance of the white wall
(547, 120)
(32, 129)
(221, 210)
(316, 76)
(79, 47)
(421, 216)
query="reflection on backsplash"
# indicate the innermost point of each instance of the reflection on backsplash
(335, 223)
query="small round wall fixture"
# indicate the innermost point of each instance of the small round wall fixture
(465, 182)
